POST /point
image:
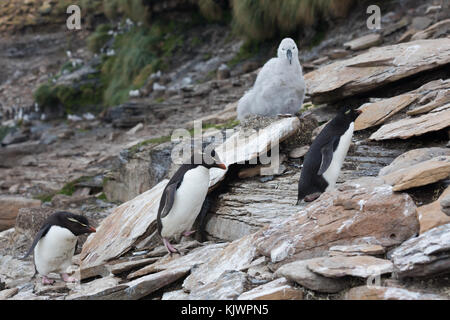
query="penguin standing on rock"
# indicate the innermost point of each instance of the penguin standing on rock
(326, 155)
(183, 196)
(55, 243)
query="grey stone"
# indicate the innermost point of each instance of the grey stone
(298, 272)
(229, 286)
(425, 255)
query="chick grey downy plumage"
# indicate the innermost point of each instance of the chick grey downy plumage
(279, 87)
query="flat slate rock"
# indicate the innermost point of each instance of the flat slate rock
(236, 256)
(376, 113)
(377, 67)
(435, 120)
(229, 286)
(412, 158)
(195, 257)
(439, 29)
(425, 255)
(424, 99)
(279, 289)
(432, 215)
(358, 266)
(298, 272)
(124, 266)
(445, 204)
(9, 208)
(96, 290)
(433, 95)
(420, 174)
(246, 146)
(122, 228)
(175, 295)
(148, 284)
(359, 211)
(388, 293)
(357, 250)
(8, 293)
(364, 42)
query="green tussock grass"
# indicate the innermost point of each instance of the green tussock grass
(221, 126)
(69, 188)
(264, 19)
(136, 10)
(4, 131)
(102, 197)
(44, 197)
(98, 38)
(139, 53)
(71, 99)
(211, 10)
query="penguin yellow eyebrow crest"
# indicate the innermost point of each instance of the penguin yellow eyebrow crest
(75, 220)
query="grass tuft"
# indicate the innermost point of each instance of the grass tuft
(260, 20)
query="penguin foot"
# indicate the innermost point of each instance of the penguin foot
(188, 233)
(67, 278)
(312, 197)
(46, 281)
(170, 248)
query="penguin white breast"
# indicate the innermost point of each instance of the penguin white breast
(187, 204)
(53, 253)
(332, 173)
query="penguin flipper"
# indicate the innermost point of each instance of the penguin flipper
(38, 237)
(327, 155)
(169, 194)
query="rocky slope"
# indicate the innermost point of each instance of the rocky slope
(382, 234)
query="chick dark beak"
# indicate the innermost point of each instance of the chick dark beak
(221, 166)
(92, 229)
(289, 55)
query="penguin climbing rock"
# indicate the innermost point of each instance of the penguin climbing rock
(326, 155)
(279, 87)
(54, 244)
(183, 196)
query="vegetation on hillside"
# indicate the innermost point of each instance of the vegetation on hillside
(144, 42)
(263, 19)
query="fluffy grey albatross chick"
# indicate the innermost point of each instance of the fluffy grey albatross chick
(279, 87)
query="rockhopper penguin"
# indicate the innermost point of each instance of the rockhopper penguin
(183, 196)
(326, 155)
(54, 244)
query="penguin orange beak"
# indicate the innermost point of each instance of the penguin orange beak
(92, 229)
(222, 166)
(358, 111)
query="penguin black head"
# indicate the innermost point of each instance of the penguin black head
(77, 224)
(349, 114)
(208, 161)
